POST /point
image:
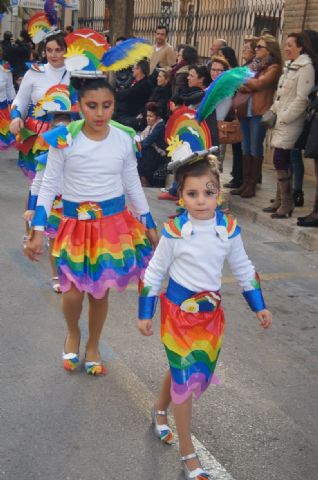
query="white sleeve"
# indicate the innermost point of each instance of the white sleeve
(131, 183)
(36, 183)
(159, 265)
(223, 108)
(23, 97)
(241, 266)
(10, 88)
(51, 183)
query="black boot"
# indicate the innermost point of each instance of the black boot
(298, 197)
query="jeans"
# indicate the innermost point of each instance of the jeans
(297, 165)
(253, 135)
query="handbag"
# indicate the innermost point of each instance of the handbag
(229, 132)
(269, 119)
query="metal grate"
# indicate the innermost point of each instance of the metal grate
(197, 22)
(93, 14)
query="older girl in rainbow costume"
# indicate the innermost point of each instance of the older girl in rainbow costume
(192, 251)
(99, 244)
(7, 94)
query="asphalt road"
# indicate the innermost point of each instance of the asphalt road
(261, 423)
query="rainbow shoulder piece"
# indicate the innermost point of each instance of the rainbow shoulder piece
(63, 136)
(36, 67)
(178, 227)
(226, 225)
(5, 67)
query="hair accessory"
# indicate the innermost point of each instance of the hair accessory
(225, 85)
(49, 8)
(43, 24)
(126, 54)
(85, 48)
(56, 100)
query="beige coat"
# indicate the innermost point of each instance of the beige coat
(291, 100)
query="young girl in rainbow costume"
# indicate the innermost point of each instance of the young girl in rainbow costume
(99, 244)
(192, 250)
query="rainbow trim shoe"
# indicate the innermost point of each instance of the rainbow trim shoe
(197, 474)
(70, 361)
(163, 432)
(95, 368)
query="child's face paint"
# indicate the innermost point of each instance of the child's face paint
(97, 107)
(200, 196)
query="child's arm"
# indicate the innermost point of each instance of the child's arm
(150, 287)
(243, 269)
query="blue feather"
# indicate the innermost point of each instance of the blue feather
(121, 51)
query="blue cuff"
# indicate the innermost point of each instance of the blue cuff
(147, 220)
(32, 201)
(40, 217)
(255, 299)
(15, 113)
(147, 307)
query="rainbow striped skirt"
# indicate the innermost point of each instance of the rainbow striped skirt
(55, 217)
(7, 139)
(192, 328)
(100, 246)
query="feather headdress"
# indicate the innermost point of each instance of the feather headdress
(225, 85)
(126, 54)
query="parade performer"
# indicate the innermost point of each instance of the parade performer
(99, 244)
(7, 94)
(59, 104)
(192, 250)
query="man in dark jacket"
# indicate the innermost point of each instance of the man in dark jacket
(130, 102)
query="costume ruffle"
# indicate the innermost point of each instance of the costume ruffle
(7, 139)
(98, 254)
(55, 217)
(193, 343)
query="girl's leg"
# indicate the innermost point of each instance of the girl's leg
(52, 259)
(164, 398)
(96, 318)
(183, 419)
(72, 302)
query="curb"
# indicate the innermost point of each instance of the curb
(306, 237)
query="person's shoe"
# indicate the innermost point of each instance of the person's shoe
(282, 214)
(95, 368)
(163, 432)
(167, 196)
(308, 221)
(71, 360)
(197, 474)
(298, 197)
(233, 184)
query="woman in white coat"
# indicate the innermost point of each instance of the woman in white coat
(289, 105)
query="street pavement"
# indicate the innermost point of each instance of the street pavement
(261, 423)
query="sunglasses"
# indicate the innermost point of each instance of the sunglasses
(258, 47)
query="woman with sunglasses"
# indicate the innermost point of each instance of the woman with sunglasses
(267, 65)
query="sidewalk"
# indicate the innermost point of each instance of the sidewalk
(252, 208)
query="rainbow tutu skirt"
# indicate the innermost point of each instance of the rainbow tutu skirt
(55, 218)
(96, 251)
(192, 331)
(7, 138)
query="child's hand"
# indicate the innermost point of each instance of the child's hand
(34, 246)
(16, 125)
(28, 215)
(145, 327)
(265, 317)
(153, 238)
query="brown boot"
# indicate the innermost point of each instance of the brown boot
(276, 202)
(246, 166)
(250, 189)
(287, 205)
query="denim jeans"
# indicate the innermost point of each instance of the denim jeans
(253, 135)
(297, 165)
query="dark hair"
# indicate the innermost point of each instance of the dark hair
(25, 36)
(61, 117)
(202, 72)
(7, 35)
(83, 85)
(302, 41)
(196, 169)
(59, 38)
(189, 55)
(121, 38)
(230, 56)
(313, 38)
(162, 27)
(144, 67)
(181, 46)
(69, 28)
(154, 108)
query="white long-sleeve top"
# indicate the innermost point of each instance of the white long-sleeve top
(36, 83)
(7, 91)
(196, 262)
(90, 170)
(37, 182)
